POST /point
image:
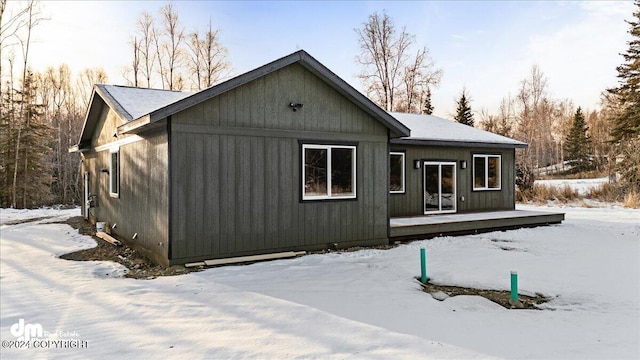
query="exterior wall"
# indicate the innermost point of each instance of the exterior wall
(411, 202)
(236, 171)
(142, 206)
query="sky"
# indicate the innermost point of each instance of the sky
(486, 46)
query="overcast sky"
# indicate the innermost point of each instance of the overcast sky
(486, 46)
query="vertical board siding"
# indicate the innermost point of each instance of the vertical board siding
(143, 204)
(410, 203)
(244, 191)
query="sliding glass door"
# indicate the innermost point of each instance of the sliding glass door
(439, 187)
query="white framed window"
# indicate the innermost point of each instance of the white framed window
(396, 172)
(114, 173)
(328, 172)
(487, 170)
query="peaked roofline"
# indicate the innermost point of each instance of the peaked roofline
(92, 107)
(112, 102)
(397, 129)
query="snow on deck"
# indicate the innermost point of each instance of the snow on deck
(455, 218)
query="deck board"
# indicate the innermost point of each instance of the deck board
(416, 227)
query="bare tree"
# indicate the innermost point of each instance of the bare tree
(9, 27)
(214, 56)
(392, 78)
(208, 58)
(33, 18)
(85, 82)
(156, 38)
(147, 55)
(195, 60)
(506, 116)
(532, 90)
(174, 34)
(135, 64)
(418, 77)
(382, 54)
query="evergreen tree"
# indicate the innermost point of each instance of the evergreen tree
(576, 146)
(26, 175)
(463, 112)
(627, 123)
(625, 132)
(427, 107)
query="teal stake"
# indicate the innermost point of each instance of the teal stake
(514, 286)
(423, 265)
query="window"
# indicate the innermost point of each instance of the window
(486, 172)
(396, 179)
(114, 173)
(329, 172)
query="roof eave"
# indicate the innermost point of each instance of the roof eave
(135, 126)
(451, 143)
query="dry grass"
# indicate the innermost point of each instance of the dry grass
(632, 200)
(592, 174)
(543, 193)
(540, 194)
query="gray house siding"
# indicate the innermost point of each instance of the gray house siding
(411, 202)
(245, 197)
(142, 206)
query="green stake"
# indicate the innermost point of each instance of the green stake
(514, 286)
(423, 265)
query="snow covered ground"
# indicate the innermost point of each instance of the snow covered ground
(581, 185)
(362, 304)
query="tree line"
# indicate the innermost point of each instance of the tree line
(165, 55)
(42, 113)
(556, 131)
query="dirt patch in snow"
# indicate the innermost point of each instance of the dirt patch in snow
(139, 267)
(499, 297)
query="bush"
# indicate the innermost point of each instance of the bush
(524, 177)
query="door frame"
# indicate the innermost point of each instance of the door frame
(425, 163)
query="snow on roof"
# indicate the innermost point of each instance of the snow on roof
(137, 102)
(429, 128)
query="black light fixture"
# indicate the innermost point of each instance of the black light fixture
(416, 164)
(295, 106)
(463, 164)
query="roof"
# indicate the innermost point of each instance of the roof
(301, 57)
(128, 102)
(433, 130)
(132, 103)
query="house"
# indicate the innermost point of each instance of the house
(462, 169)
(285, 157)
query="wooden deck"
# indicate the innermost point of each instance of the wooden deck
(428, 226)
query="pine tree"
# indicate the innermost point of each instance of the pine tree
(627, 124)
(463, 112)
(427, 107)
(29, 166)
(576, 146)
(625, 132)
